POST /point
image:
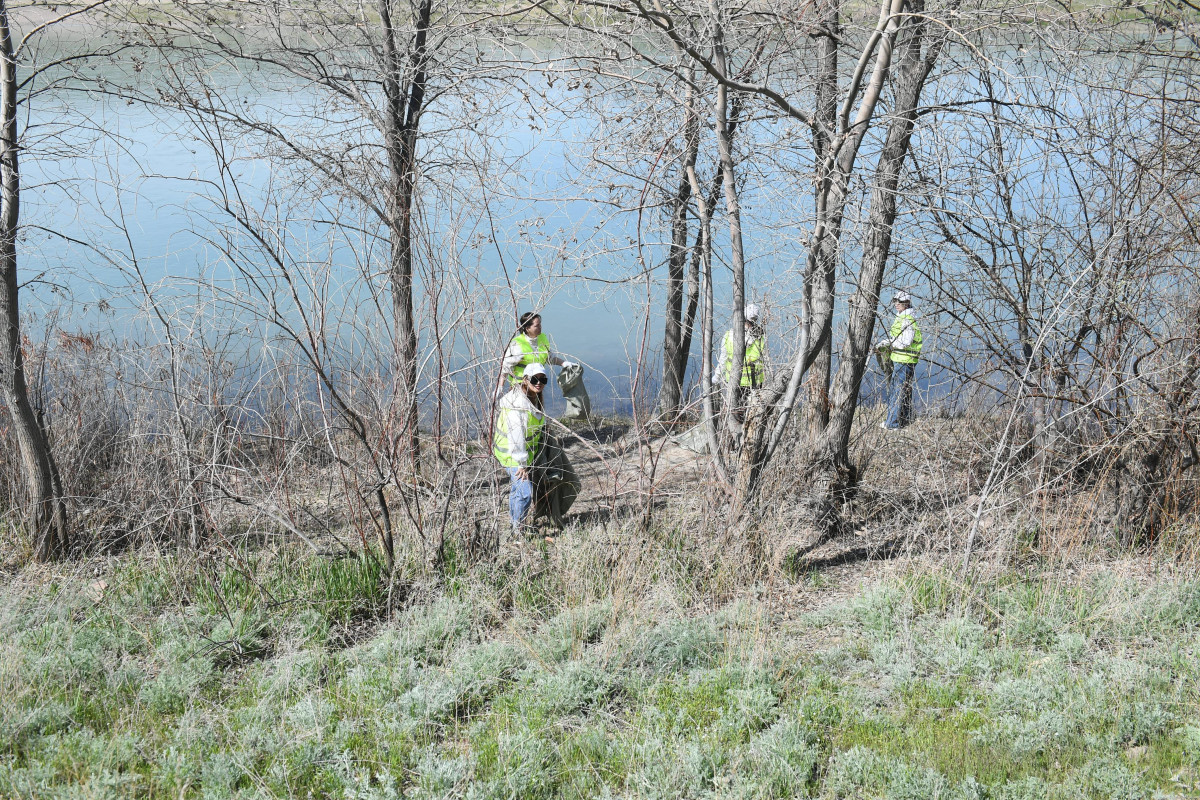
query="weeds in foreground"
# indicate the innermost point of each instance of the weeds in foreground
(240, 679)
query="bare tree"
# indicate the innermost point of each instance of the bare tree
(28, 72)
(367, 77)
(918, 50)
(48, 512)
(1059, 257)
(841, 118)
(683, 267)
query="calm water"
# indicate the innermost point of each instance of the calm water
(554, 249)
(138, 187)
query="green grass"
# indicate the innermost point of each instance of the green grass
(280, 675)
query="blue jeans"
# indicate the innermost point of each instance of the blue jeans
(900, 397)
(520, 496)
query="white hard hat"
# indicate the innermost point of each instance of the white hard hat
(751, 312)
(535, 369)
(901, 297)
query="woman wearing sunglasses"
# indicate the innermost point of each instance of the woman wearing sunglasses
(518, 437)
(528, 346)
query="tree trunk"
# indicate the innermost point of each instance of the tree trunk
(833, 475)
(819, 283)
(677, 332)
(1140, 483)
(404, 90)
(704, 253)
(768, 416)
(734, 212)
(47, 513)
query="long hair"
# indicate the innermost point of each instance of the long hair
(525, 319)
(538, 399)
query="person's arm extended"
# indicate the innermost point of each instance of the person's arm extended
(557, 360)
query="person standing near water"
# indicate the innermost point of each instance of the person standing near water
(903, 343)
(754, 368)
(528, 346)
(518, 437)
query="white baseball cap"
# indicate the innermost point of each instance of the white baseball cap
(751, 312)
(901, 297)
(535, 369)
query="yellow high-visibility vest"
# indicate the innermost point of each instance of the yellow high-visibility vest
(537, 352)
(533, 436)
(754, 372)
(912, 353)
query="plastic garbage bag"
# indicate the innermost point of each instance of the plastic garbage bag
(694, 439)
(570, 381)
(555, 483)
(883, 357)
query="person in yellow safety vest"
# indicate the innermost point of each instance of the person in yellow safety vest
(529, 346)
(518, 437)
(903, 342)
(754, 367)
